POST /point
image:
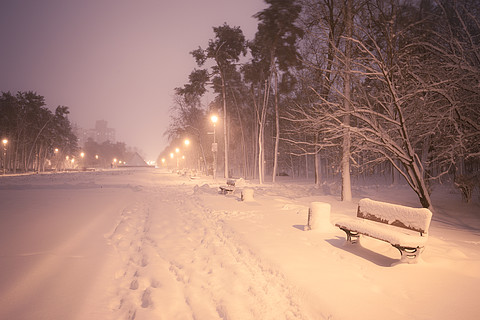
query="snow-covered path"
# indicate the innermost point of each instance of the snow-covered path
(181, 263)
(147, 244)
(93, 247)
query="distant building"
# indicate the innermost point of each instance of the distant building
(100, 134)
(103, 133)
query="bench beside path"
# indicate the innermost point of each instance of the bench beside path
(403, 227)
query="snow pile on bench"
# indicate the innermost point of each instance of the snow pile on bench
(417, 219)
(403, 227)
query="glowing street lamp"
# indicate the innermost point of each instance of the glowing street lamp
(57, 160)
(4, 141)
(187, 142)
(214, 120)
(177, 150)
(82, 155)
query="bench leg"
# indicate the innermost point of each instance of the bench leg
(225, 190)
(352, 236)
(409, 255)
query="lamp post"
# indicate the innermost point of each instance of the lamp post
(177, 150)
(214, 120)
(82, 155)
(4, 141)
(56, 160)
(187, 144)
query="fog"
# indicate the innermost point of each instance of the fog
(117, 61)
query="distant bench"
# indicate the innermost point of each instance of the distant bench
(229, 187)
(403, 227)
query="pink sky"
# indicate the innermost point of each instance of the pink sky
(113, 60)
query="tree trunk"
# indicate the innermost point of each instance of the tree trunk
(261, 135)
(346, 183)
(318, 168)
(244, 143)
(419, 187)
(318, 173)
(277, 124)
(256, 143)
(224, 96)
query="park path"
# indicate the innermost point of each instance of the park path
(180, 261)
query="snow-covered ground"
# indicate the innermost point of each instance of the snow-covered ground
(147, 244)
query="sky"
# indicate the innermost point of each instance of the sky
(113, 60)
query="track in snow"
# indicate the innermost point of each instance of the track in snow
(180, 261)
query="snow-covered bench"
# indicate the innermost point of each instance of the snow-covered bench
(229, 187)
(403, 227)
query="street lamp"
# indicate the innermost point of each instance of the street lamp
(177, 150)
(82, 155)
(187, 144)
(214, 120)
(56, 159)
(4, 141)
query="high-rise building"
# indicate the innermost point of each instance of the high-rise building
(103, 133)
(100, 134)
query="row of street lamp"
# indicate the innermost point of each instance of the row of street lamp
(214, 120)
(56, 151)
(177, 152)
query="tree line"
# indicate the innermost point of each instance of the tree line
(342, 88)
(37, 139)
(33, 135)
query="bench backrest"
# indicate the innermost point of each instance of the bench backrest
(417, 219)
